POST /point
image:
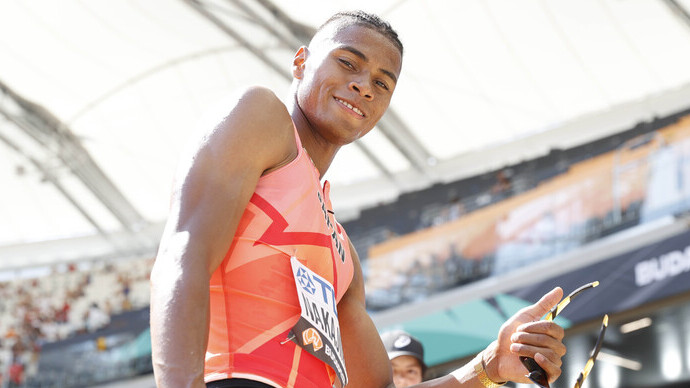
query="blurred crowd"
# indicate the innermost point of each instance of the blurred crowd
(523, 214)
(66, 301)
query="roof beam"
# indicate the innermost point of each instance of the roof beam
(679, 11)
(301, 31)
(60, 143)
(207, 12)
(48, 175)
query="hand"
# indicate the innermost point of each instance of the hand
(524, 334)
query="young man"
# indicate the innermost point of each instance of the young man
(255, 283)
(407, 357)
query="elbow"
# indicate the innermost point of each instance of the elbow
(177, 276)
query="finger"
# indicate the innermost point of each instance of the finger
(537, 310)
(554, 360)
(542, 327)
(528, 344)
(553, 370)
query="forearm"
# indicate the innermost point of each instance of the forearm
(464, 377)
(467, 376)
(179, 322)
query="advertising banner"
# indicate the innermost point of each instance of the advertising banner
(630, 280)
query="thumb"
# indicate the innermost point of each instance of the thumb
(537, 310)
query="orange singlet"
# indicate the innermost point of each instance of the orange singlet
(253, 294)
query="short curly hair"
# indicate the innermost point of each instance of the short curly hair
(348, 18)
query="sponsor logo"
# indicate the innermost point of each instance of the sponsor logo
(336, 237)
(337, 362)
(305, 281)
(665, 266)
(322, 319)
(311, 336)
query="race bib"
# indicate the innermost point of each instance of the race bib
(318, 329)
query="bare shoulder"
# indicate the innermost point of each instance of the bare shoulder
(255, 111)
(233, 146)
(253, 126)
(262, 105)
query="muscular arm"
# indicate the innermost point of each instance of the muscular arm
(213, 186)
(368, 365)
(366, 359)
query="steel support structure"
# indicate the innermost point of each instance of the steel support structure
(63, 150)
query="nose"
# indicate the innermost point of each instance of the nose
(401, 382)
(363, 89)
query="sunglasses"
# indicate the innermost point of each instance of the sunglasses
(537, 374)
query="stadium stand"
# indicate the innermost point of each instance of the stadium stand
(72, 304)
(505, 219)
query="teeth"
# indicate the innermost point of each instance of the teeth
(355, 109)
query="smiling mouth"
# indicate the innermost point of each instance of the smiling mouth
(349, 106)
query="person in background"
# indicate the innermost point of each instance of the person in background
(407, 357)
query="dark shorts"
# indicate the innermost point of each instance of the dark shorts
(236, 383)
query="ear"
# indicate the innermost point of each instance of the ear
(298, 62)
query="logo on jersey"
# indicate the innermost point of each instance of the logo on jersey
(305, 282)
(311, 336)
(336, 237)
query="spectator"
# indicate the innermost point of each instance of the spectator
(16, 373)
(503, 183)
(96, 318)
(62, 313)
(407, 357)
(126, 289)
(456, 208)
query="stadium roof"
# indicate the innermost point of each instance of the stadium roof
(98, 97)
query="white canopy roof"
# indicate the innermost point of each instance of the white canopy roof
(97, 98)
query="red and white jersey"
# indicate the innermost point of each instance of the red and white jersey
(254, 300)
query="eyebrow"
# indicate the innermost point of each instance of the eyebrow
(364, 58)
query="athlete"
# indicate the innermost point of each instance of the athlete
(255, 283)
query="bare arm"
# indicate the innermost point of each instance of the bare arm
(368, 365)
(214, 184)
(366, 359)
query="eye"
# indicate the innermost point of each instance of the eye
(346, 63)
(382, 84)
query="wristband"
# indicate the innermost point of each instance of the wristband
(480, 368)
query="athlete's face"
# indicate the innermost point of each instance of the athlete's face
(345, 81)
(406, 371)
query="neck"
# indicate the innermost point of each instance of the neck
(319, 149)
